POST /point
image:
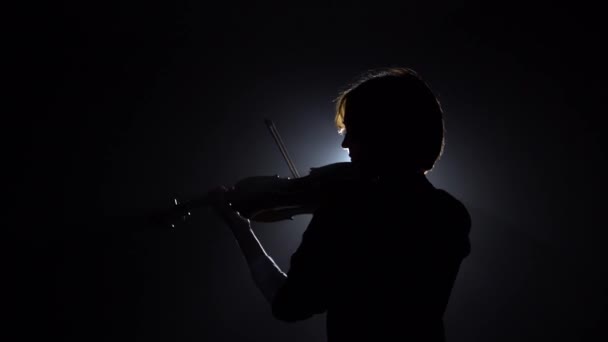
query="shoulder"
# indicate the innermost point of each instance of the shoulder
(454, 223)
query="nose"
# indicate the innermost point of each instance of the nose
(345, 141)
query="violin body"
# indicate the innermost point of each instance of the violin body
(272, 198)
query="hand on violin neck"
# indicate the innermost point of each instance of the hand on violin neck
(225, 210)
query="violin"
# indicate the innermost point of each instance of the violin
(267, 198)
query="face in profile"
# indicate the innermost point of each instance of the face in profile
(347, 145)
(357, 150)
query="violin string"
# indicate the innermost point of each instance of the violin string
(277, 138)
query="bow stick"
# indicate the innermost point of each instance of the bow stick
(277, 138)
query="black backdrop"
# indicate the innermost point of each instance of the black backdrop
(118, 107)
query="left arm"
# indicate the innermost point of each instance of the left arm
(266, 274)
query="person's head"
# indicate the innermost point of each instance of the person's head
(390, 118)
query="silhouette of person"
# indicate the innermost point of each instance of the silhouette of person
(381, 253)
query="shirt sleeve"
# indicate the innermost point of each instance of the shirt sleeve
(304, 292)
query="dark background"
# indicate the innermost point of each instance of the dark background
(118, 107)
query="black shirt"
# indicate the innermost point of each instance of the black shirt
(380, 257)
